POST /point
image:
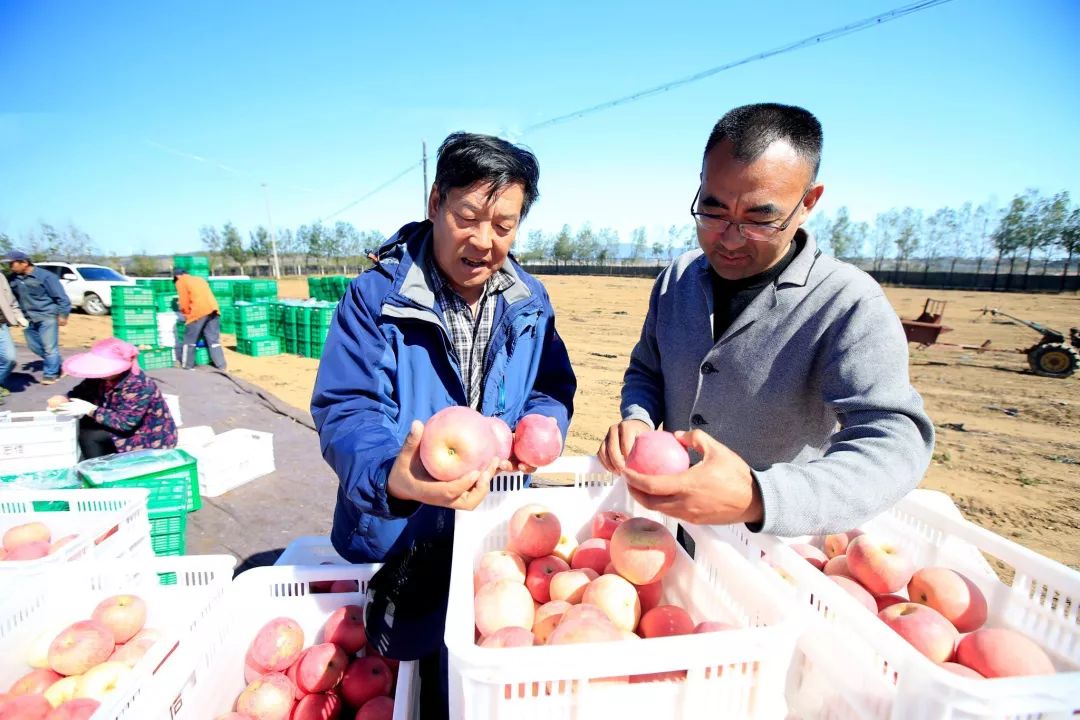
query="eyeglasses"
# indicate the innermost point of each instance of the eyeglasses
(750, 231)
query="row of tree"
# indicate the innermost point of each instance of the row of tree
(1031, 226)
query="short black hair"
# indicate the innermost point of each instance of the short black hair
(465, 159)
(753, 128)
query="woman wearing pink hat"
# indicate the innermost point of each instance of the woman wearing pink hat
(119, 408)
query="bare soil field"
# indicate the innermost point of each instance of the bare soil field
(1008, 448)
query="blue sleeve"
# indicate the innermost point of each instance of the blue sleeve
(56, 291)
(553, 391)
(354, 407)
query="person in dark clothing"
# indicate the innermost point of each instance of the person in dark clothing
(119, 408)
(46, 307)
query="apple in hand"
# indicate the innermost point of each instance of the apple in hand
(880, 567)
(539, 574)
(951, 594)
(456, 441)
(534, 531)
(504, 438)
(642, 550)
(537, 440)
(657, 452)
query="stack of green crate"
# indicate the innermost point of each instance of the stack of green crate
(223, 289)
(315, 288)
(303, 331)
(277, 319)
(252, 290)
(253, 330)
(259, 347)
(133, 315)
(158, 286)
(194, 264)
(157, 359)
(322, 315)
(289, 327)
(172, 479)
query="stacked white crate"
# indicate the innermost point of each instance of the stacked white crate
(31, 441)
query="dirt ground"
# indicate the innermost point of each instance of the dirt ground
(1008, 448)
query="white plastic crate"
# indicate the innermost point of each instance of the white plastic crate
(850, 664)
(173, 403)
(233, 458)
(738, 673)
(178, 600)
(310, 550)
(194, 436)
(37, 441)
(255, 597)
(107, 524)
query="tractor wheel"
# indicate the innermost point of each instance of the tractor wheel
(1056, 360)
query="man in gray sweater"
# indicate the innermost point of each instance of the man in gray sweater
(788, 368)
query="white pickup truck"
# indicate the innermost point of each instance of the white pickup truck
(88, 286)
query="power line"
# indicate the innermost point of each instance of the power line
(797, 45)
(383, 186)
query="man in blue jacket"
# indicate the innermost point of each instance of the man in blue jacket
(446, 317)
(45, 305)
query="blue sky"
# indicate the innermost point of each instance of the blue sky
(103, 104)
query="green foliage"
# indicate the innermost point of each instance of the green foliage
(142, 265)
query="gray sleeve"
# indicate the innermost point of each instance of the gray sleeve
(643, 383)
(884, 442)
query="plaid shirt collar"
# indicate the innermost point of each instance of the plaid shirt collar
(470, 333)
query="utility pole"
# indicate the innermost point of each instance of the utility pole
(273, 235)
(423, 150)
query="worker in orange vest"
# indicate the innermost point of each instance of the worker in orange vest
(202, 317)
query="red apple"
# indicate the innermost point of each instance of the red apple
(537, 440)
(997, 652)
(35, 682)
(961, 670)
(923, 627)
(271, 697)
(838, 566)
(277, 644)
(837, 543)
(533, 532)
(345, 628)
(496, 565)
(811, 554)
(642, 550)
(77, 709)
(884, 601)
(547, 618)
(456, 441)
(253, 671)
(708, 626)
(26, 533)
(509, 637)
(657, 452)
(366, 678)
(856, 591)
(880, 567)
(504, 438)
(594, 553)
(320, 668)
(665, 620)
(321, 706)
(951, 594)
(344, 586)
(25, 707)
(503, 603)
(80, 647)
(380, 708)
(538, 577)
(28, 551)
(570, 585)
(649, 595)
(604, 523)
(125, 615)
(617, 598)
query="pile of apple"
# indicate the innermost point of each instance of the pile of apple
(544, 589)
(458, 440)
(30, 541)
(943, 614)
(75, 670)
(326, 681)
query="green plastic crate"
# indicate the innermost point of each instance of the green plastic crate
(157, 359)
(131, 296)
(252, 331)
(318, 334)
(138, 336)
(134, 316)
(173, 488)
(191, 262)
(290, 345)
(165, 303)
(246, 312)
(259, 347)
(167, 533)
(57, 479)
(315, 350)
(202, 356)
